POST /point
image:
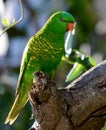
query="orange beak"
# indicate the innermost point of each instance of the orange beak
(70, 26)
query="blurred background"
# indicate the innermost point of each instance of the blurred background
(90, 38)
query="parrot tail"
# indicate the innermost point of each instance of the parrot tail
(14, 112)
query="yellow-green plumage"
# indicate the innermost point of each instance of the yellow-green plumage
(42, 53)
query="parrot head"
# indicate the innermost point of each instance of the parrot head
(60, 22)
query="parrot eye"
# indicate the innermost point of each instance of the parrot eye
(62, 19)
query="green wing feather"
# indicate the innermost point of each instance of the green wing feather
(19, 100)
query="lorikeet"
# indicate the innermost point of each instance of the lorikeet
(43, 52)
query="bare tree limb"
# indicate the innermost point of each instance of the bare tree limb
(16, 22)
(80, 106)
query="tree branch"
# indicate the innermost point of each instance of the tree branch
(79, 106)
(16, 22)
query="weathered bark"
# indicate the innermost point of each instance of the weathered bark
(79, 106)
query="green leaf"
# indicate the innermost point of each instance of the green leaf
(76, 71)
(13, 21)
(5, 22)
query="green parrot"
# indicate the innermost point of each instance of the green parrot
(43, 52)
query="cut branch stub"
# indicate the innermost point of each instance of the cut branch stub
(48, 105)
